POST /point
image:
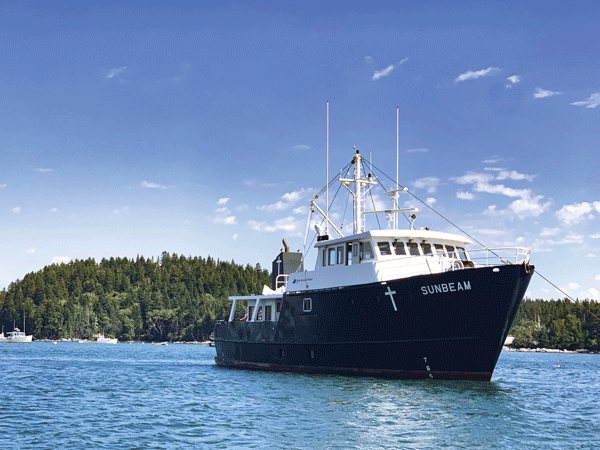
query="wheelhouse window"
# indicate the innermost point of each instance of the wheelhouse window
(450, 250)
(366, 251)
(439, 248)
(340, 255)
(413, 249)
(384, 248)
(332, 256)
(462, 253)
(399, 248)
(307, 305)
(426, 249)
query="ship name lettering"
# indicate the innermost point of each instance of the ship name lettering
(446, 287)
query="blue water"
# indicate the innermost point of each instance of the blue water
(133, 396)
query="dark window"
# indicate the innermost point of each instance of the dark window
(399, 248)
(384, 248)
(413, 248)
(426, 249)
(278, 307)
(281, 353)
(450, 250)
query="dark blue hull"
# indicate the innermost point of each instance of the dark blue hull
(450, 325)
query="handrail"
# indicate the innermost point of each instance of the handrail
(519, 255)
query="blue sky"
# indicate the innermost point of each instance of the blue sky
(199, 128)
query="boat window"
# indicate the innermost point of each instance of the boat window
(268, 309)
(278, 307)
(413, 249)
(384, 248)
(439, 248)
(450, 249)
(250, 309)
(340, 255)
(399, 248)
(349, 253)
(307, 305)
(332, 256)
(367, 252)
(462, 253)
(324, 256)
(426, 249)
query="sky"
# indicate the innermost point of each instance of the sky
(199, 128)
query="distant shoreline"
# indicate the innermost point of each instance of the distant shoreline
(547, 350)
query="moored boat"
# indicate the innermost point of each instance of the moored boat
(99, 339)
(396, 303)
(16, 336)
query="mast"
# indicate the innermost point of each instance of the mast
(327, 178)
(397, 161)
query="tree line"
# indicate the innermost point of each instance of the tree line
(171, 297)
(557, 324)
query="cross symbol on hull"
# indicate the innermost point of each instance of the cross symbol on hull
(391, 294)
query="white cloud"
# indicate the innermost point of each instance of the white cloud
(44, 170)
(223, 201)
(550, 231)
(429, 183)
(591, 102)
(225, 220)
(597, 277)
(514, 79)
(369, 59)
(575, 213)
(31, 250)
(2, 186)
(527, 205)
(591, 255)
(286, 224)
(595, 236)
(403, 60)
(288, 200)
(148, 184)
(543, 93)
(430, 201)
(234, 237)
(301, 147)
(504, 174)
(113, 72)
(464, 195)
(53, 209)
(471, 75)
(16, 209)
(493, 160)
(417, 150)
(593, 293)
(383, 73)
(60, 259)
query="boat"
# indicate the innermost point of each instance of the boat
(392, 302)
(15, 336)
(99, 339)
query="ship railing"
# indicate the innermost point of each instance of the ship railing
(281, 280)
(500, 255)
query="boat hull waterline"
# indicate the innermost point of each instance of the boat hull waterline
(450, 325)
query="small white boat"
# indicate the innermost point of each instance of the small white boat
(15, 336)
(160, 343)
(99, 339)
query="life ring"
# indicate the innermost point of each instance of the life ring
(457, 264)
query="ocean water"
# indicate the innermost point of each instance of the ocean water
(134, 396)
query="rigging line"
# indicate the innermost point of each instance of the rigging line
(558, 289)
(446, 219)
(333, 180)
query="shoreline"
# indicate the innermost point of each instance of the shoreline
(548, 350)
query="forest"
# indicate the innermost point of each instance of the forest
(557, 324)
(177, 298)
(170, 298)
